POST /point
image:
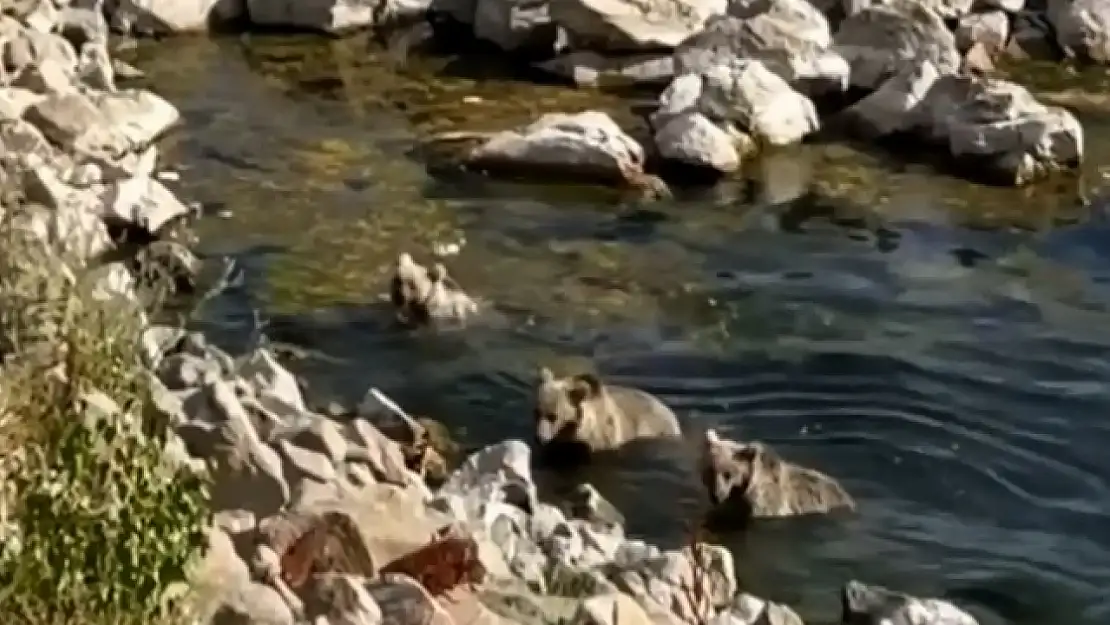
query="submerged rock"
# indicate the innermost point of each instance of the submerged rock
(865, 604)
(587, 146)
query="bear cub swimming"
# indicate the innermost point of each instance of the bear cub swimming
(582, 413)
(749, 480)
(428, 295)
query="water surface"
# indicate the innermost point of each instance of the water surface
(938, 346)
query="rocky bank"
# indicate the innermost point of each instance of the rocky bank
(319, 518)
(737, 77)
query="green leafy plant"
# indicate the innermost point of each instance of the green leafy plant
(96, 522)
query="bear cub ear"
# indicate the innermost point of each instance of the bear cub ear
(437, 272)
(546, 376)
(584, 386)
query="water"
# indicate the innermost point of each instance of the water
(939, 347)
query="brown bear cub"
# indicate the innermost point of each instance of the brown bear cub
(427, 295)
(580, 415)
(750, 481)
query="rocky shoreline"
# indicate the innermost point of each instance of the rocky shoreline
(737, 78)
(320, 518)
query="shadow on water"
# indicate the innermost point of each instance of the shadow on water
(939, 346)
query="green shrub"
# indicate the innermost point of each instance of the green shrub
(95, 523)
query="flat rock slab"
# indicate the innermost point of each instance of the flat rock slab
(587, 145)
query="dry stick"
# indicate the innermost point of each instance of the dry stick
(695, 590)
(414, 426)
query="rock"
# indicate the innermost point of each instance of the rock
(590, 69)
(1031, 38)
(1009, 6)
(168, 266)
(186, 371)
(103, 124)
(498, 473)
(404, 602)
(83, 23)
(629, 25)
(882, 41)
(38, 16)
(94, 66)
(739, 96)
(382, 456)
(990, 28)
(946, 9)
(271, 381)
(15, 101)
(692, 139)
(978, 61)
(226, 594)
(76, 233)
(586, 504)
(331, 16)
(254, 604)
(341, 600)
(300, 464)
(247, 474)
(1082, 28)
(45, 76)
(611, 609)
(751, 610)
(791, 38)
(321, 436)
(894, 105)
(587, 145)
(759, 101)
(1001, 128)
(307, 542)
(512, 24)
(671, 581)
(141, 202)
(616, 26)
(161, 340)
(158, 17)
(873, 605)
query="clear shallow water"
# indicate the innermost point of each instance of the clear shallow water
(831, 304)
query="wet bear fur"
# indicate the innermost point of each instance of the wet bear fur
(580, 415)
(428, 295)
(750, 481)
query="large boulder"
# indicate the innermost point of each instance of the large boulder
(790, 37)
(1001, 128)
(865, 604)
(628, 25)
(710, 118)
(881, 41)
(588, 145)
(513, 24)
(994, 125)
(172, 16)
(1082, 27)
